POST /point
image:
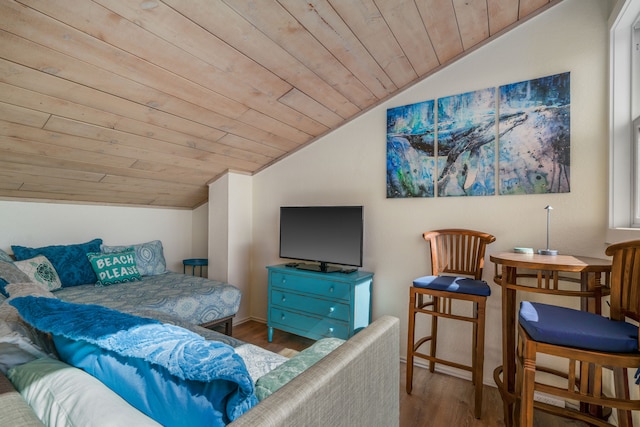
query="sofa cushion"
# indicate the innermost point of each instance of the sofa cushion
(117, 267)
(169, 373)
(149, 256)
(41, 272)
(70, 261)
(272, 381)
(9, 273)
(15, 411)
(62, 395)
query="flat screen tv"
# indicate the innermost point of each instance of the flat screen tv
(323, 234)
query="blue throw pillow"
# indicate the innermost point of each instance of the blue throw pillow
(171, 374)
(70, 261)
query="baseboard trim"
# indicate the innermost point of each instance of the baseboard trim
(448, 370)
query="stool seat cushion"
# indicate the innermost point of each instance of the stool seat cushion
(575, 328)
(461, 285)
(195, 261)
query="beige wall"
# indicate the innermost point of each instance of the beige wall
(41, 224)
(200, 232)
(348, 167)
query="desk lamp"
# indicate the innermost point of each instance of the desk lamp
(548, 251)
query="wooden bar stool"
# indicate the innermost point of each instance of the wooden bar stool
(457, 261)
(589, 343)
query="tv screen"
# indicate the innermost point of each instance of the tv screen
(324, 234)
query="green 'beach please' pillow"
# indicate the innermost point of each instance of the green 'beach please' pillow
(119, 267)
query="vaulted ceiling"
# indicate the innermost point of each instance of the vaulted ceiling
(144, 102)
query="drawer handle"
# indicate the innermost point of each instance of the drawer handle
(284, 298)
(331, 289)
(332, 309)
(331, 330)
(282, 316)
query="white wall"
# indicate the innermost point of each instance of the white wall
(230, 235)
(42, 224)
(348, 167)
(200, 232)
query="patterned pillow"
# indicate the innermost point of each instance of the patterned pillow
(40, 271)
(273, 380)
(117, 267)
(149, 257)
(70, 261)
(9, 273)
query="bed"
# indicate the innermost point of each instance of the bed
(125, 278)
(193, 299)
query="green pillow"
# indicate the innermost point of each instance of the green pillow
(118, 267)
(273, 380)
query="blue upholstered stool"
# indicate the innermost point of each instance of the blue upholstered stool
(578, 329)
(193, 263)
(457, 261)
(588, 344)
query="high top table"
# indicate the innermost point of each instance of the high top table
(542, 274)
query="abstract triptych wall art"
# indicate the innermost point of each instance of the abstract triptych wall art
(534, 136)
(467, 144)
(410, 150)
(461, 145)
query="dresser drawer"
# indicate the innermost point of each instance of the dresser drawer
(313, 327)
(317, 306)
(327, 288)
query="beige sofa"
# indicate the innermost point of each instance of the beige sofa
(354, 385)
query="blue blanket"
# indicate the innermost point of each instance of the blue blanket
(163, 370)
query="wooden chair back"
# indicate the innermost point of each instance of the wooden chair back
(458, 251)
(625, 280)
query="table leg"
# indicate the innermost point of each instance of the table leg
(591, 282)
(508, 342)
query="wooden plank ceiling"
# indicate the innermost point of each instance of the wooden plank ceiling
(144, 102)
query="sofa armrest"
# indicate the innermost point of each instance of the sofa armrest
(357, 384)
(15, 411)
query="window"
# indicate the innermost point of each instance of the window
(635, 112)
(624, 162)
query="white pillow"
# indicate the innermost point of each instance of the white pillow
(62, 395)
(40, 271)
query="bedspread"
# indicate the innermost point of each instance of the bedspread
(190, 298)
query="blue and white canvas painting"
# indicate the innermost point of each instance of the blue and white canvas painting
(410, 150)
(466, 144)
(534, 136)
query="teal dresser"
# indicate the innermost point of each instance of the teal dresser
(318, 305)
